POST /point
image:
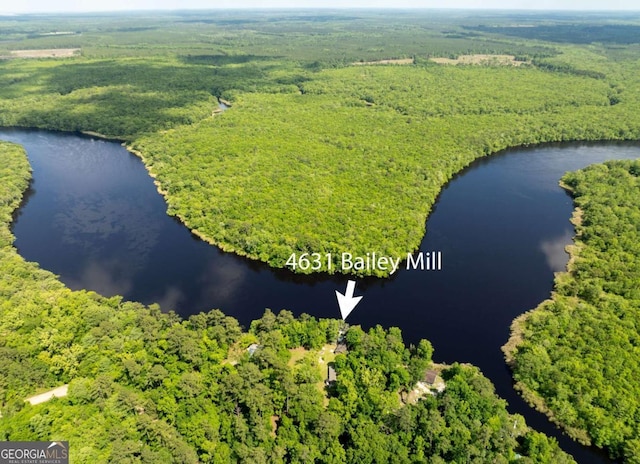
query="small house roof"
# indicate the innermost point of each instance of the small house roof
(430, 376)
(253, 348)
(331, 374)
(340, 348)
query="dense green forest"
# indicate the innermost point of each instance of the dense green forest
(368, 146)
(318, 154)
(145, 386)
(577, 356)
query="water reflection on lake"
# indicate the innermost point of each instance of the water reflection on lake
(554, 251)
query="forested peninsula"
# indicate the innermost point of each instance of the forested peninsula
(145, 386)
(577, 356)
(317, 155)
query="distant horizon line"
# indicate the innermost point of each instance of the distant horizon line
(322, 8)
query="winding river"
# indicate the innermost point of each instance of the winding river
(93, 216)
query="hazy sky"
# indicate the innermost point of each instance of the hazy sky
(35, 6)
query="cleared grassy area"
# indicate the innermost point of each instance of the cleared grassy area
(320, 359)
(50, 53)
(495, 60)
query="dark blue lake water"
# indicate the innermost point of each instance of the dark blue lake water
(94, 217)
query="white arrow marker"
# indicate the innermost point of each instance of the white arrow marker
(348, 302)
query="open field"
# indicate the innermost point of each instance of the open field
(398, 61)
(502, 60)
(50, 53)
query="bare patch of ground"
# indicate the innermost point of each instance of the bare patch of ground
(48, 53)
(58, 33)
(274, 425)
(400, 61)
(46, 396)
(495, 60)
(423, 388)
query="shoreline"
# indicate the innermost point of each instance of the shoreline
(529, 399)
(480, 156)
(98, 135)
(166, 196)
(517, 337)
